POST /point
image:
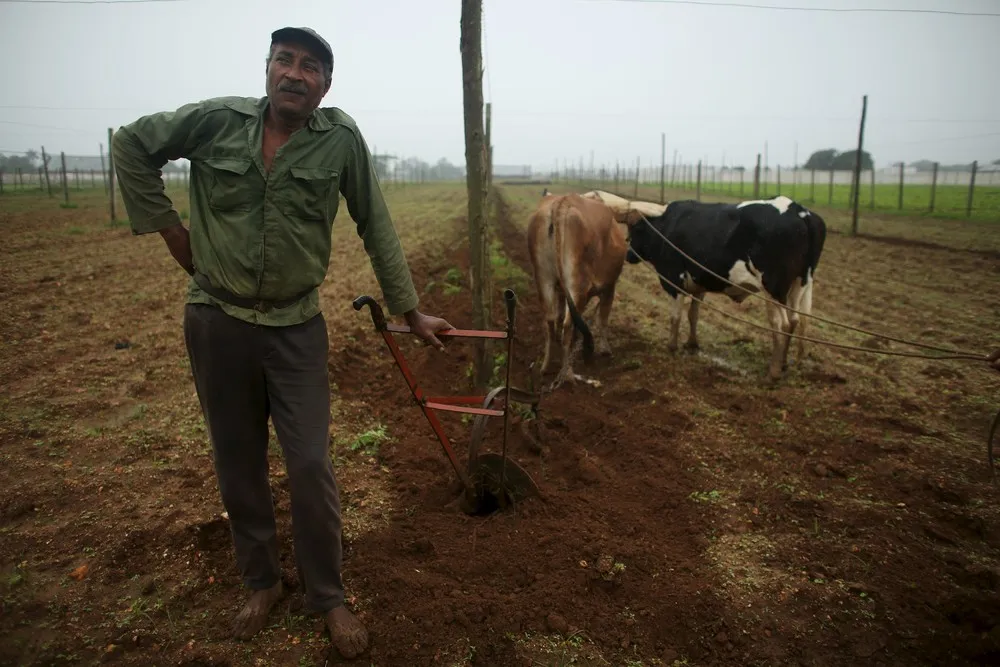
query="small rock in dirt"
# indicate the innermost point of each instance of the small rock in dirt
(668, 656)
(821, 470)
(557, 623)
(589, 472)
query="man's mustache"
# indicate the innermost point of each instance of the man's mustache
(293, 88)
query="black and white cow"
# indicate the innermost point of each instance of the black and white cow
(774, 244)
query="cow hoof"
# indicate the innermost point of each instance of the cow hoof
(692, 346)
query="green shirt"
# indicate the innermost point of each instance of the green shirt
(260, 234)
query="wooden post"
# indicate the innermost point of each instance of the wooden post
(934, 185)
(901, 186)
(65, 178)
(972, 188)
(45, 165)
(1, 180)
(830, 194)
(756, 178)
(663, 165)
(872, 204)
(779, 179)
(111, 175)
(487, 143)
(857, 167)
(20, 179)
(697, 186)
(470, 45)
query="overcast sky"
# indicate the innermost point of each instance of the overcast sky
(566, 77)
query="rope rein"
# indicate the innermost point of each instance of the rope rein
(842, 346)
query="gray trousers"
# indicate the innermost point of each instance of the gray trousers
(244, 374)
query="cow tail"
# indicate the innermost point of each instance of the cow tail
(556, 224)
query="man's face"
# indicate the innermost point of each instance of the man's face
(295, 80)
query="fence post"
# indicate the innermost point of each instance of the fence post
(900, 186)
(830, 193)
(663, 165)
(856, 179)
(1, 181)
(45, 165)
(756, 178)
(871, 204)
(20, 179)
(934, 185)
(779, 180)
(65, 178)
(972, 188)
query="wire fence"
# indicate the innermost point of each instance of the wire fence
(971, 193)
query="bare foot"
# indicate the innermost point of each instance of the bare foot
(347, 632)
(253, 616)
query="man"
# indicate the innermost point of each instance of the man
(266, 179)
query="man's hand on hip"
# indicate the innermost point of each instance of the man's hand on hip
(179, 243)
(425, 326)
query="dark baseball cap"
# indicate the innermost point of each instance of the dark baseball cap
(307, 35)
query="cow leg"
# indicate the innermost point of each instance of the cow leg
(676, 309)
(793, 301)
(566, 373)
(607, 298)
(778, 319)
(692, 343)
(805, 306)
(554, 307)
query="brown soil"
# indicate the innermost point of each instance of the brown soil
(689, 511)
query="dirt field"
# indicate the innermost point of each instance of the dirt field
(692, 514)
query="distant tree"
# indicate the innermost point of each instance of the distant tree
(25, 162)
(821, 159)
(845, 161)
(996, 162)
(923, 165)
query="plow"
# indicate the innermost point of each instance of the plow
(489, 480)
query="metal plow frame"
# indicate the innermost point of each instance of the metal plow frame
(488, 480)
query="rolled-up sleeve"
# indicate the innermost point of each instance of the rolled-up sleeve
(140, 150)
(366, 204)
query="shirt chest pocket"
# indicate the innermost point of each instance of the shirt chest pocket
(231, 189)
(310, 192)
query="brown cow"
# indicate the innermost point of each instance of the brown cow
(577, 249)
